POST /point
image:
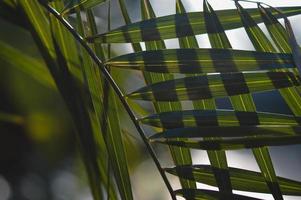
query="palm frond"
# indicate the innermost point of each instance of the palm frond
(179, 25)
(74, 5)
(88, 87)
(181, 156)
(191, 61)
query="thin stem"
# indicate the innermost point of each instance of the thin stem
(117, 90)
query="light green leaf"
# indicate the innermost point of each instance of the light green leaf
(39, 26)
(191, 118)
(262, 43)
(215, 86)
(31, 66)
(201, 61)
(243, 180)
(280, 38)
(107, 111)
(74, 5)
(180, 155)
(217, 158)
(228, 131)
(178, 25)
(275, 29)
(199, 194)
(234, 144)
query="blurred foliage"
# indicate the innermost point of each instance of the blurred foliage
(38, 145)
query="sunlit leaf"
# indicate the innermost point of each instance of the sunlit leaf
(215, 86)
(241, 179)
(74, 5)
(179, 155)
(262, 43)
(105, 104)
(191, 118)
(200, 194)
(217, 158)
(178, 25)
(234, 143)
(228, 131)
(202, 61)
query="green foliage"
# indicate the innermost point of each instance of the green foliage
(74, 5)
(179, 25)
(85, 76)
(190, 61)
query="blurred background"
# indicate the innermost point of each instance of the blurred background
(39, 158)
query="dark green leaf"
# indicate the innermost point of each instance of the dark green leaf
(70, 90)
(179, 155)
(216, 86)
(199, 194)
(262, 43)
(178, 25)
(9, 11)
(281, 40)
(217, 159)
(106, 108)
(190, 118)
(233, 144)
(243, 180)
(202, 61)
(228, 131)
(74, 5)
(276, 30)
(33, 67)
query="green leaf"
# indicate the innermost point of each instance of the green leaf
(243, 180)
(107, 112)
(257, 37)
(276, 30)
(190, 118)
(215, 30)
(74, 5)
(9, 11)
(178, 25)
(126, 17)
(199, 194)
(262, 43)
(234, 144)
(66, 42)
(215, 86)
(244, 102)
(190, 41)
(58, 65)
(201, 61)
(228, 131)
(180, 155)
(31, 66)
(217, 158)
(79, 112)
(280, 38)
(185, 63)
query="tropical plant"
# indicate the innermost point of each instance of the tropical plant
(86, 75)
